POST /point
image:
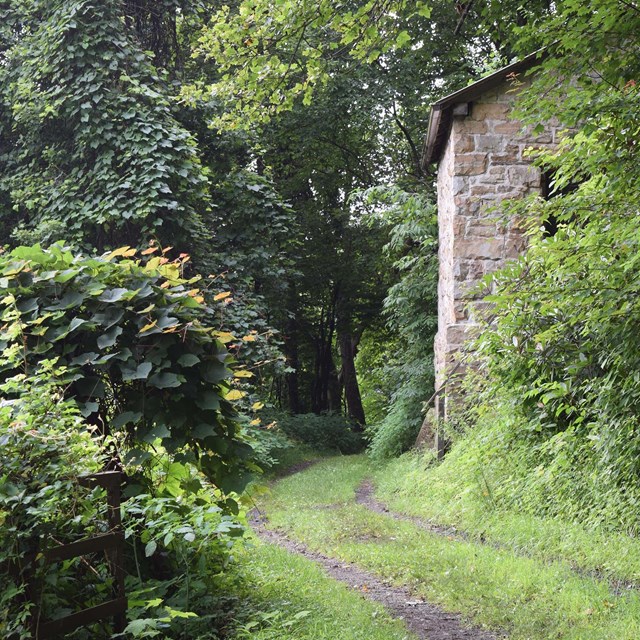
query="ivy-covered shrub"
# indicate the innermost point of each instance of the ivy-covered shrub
(142, 361)
(44, 447)
(326, 432)
(93, 152)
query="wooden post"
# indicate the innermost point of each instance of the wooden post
(112, 543)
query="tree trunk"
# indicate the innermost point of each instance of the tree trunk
(292, 356)
(326, 394)
(348, 349)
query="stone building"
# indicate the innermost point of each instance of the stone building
(481, 155)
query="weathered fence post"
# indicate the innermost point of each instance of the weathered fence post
(113, 544)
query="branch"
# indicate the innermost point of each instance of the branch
(414, 150)
(463, 17)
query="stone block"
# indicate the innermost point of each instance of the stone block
(490, 111)
(471, 164)
(508, 128)
(459, 226)
(524, 175)
(426, 437)
(468, 127)
(511, 154)
(469, 207)
(465, 144)
(495, 173)
(459, 185)
(482, 231)
(490, 142)
(460, 311)
(480, 268)
(480, 248)
(483, 189)
(456, 334)
(514, 246)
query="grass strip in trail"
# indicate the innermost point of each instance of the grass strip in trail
(365, 496)
(290, 597)
(530, 598)
(440, 494)
(423, 619)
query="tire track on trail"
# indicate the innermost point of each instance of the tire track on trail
(427, 621)
(365, 496)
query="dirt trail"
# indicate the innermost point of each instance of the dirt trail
(365, 496)
(425, 620)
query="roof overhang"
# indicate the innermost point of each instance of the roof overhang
(456, 104)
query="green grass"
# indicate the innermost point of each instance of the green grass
(445, 495)
(291, 598)
(530, 598)
(293, 455)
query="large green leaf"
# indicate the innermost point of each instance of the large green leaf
(141, 372)
(164, 380)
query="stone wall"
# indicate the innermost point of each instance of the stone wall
(484, 162)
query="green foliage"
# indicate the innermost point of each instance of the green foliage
(142, 362)
(182, 543)
(564, 345)
(271, 447)
(253, 226)
(93, 152)
(410, 308)
(269, 54)
(44, 448)
(253, 232)
(327, 432)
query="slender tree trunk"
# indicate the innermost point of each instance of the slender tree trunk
(292, 355)
(348, 350)
(326, 391)
(317, 384)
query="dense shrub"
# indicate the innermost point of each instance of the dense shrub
(269, 444)
(44, 447)
(178, 541)
(323, 432)
(565, 346)
(180, 544)
(398, 430)
(142, 361)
